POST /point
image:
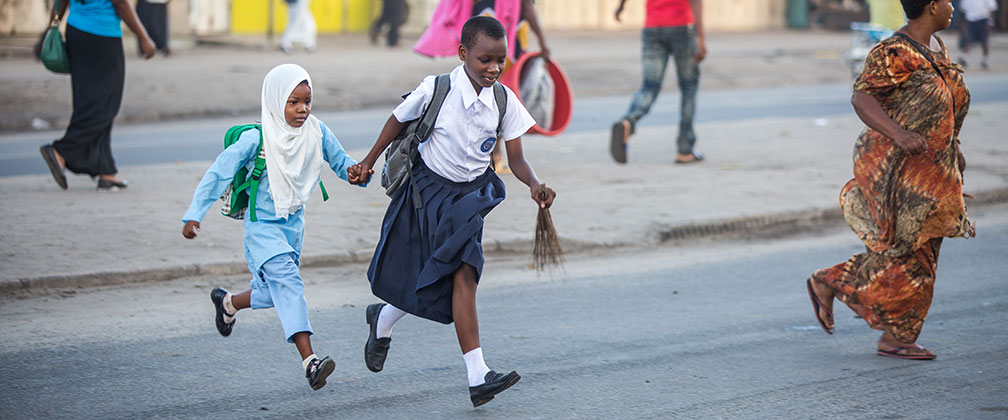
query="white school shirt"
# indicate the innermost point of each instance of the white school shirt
(466, 128)
(974, 10)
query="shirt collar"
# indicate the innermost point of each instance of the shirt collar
(469, 96)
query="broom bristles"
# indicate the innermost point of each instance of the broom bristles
(546, 251)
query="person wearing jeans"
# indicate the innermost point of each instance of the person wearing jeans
(672, 29)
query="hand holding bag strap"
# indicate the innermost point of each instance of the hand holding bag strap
(57, 12)
(52, 51)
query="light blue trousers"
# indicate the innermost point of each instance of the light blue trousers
(278, 284)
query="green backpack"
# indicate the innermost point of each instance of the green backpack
(244, 186)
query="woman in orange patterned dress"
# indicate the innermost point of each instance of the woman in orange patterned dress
(906, 194)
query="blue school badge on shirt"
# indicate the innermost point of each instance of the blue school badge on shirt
(488, 144)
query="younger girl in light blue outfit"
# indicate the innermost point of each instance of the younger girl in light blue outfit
(296, 145)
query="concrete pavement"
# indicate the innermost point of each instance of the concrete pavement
(760, 173)
(225, 77)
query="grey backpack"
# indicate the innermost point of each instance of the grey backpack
(402, 151)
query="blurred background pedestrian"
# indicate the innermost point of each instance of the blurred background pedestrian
(300, 27)
(97, 74)
(672, 29)
(394, 13)
(977, 20)
(886, 14)
(153, 15)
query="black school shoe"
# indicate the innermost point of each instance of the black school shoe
(217, 297)
(495, 384)
(375, 349)
(318, 370)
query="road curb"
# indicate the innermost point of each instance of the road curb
(790, 222)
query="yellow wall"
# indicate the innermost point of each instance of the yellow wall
(250, 16)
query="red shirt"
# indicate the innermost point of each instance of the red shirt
(668, 13)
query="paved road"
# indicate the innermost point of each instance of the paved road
(701, 330)
(199, 140)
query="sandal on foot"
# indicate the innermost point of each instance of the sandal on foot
(697, 157)
(58, 173)
(896, 353)
(618, 140)
(817, 305)
(109, 185)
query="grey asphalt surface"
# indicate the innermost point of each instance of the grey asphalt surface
(699, 329)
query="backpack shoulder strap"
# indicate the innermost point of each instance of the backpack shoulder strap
(442, 84)
(234, 133)
(500, 96)
(260, 166)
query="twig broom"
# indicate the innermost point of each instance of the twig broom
(546, 251)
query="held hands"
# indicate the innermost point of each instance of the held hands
(190, 229)
(359, 174)
(910, 142)
(544, 202)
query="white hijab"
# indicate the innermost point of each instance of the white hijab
(293, 154)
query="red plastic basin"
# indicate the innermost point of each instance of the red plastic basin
(563, 96)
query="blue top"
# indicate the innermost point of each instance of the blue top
(270, 235)
(96, 17)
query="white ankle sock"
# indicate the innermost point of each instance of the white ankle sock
(388, 316)
(229, 309)
(475, 366)
(306, 361)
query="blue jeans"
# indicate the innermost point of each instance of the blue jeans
(658, 44)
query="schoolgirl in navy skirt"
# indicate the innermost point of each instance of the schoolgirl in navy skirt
(420, 247)
(429, 259)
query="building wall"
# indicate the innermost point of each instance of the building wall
(204, 17)
(719, 15)
(31, 17)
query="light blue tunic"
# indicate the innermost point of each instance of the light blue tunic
(270, 235)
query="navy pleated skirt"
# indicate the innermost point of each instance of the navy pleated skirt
(420, 249)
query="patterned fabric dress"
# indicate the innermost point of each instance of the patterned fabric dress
(901, 205)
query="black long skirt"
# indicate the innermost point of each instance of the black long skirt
(97, 74)
(154, 17)
(420, 249)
